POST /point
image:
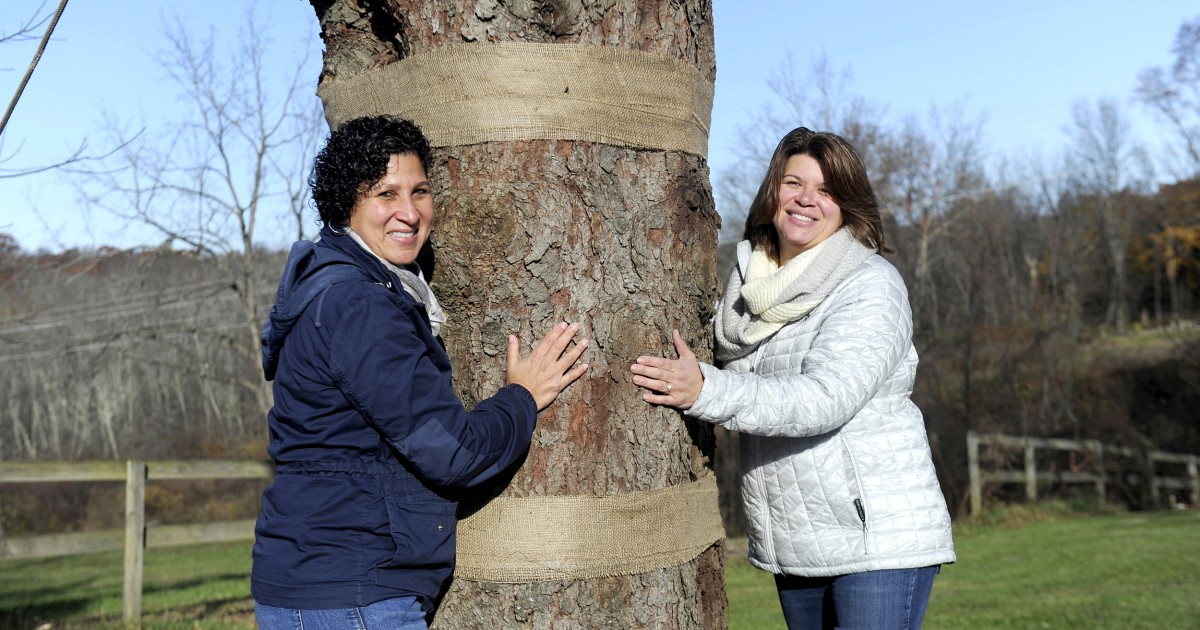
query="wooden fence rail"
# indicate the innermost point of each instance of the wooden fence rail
(136, 535)
(1096, 474)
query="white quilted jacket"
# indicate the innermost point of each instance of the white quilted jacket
(836, 471)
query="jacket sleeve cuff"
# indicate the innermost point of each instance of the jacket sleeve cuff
(523, 394)
(704, 407)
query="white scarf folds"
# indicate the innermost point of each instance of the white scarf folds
(769, 296)
(414, 284)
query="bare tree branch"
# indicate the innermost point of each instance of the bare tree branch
(80, 155)
(234, 167)
(36, 57)
(77, 157)
(25, 29)
(1106, 162)
(1174, 92)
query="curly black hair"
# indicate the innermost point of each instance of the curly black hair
(355, 157)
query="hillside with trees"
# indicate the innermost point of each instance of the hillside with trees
(135, 354)
(1059, 298)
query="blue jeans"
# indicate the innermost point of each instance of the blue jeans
(894, 599)
(400, 613)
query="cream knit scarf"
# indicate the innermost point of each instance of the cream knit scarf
(756, 306)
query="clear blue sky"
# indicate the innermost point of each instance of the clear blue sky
(1021, 64)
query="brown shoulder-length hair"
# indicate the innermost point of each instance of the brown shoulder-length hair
(845, 180)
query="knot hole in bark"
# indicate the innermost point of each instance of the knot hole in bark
(689, 193)
(555, 17)
(391, 30)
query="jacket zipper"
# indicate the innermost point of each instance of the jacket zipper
(862, 516)
(859, 507)
(768, 542)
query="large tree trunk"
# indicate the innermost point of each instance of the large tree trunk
(532, 232)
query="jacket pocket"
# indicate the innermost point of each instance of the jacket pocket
(423, 531)
(856, 497)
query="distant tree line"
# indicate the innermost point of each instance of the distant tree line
(118, 354)
(1052, 297)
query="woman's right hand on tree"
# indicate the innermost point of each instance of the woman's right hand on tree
(547, 370)
(672, 382)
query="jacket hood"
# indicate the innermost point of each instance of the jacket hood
(311, 268)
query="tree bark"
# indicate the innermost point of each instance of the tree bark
(532, 232)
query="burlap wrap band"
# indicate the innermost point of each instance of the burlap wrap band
(538, 539)
(471, 93)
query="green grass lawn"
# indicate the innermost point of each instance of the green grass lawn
(1121, 571)
(1114, 572)
(1128, 571)
(194, 588)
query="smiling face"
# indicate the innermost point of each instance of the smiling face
(393, 217)
(806, 214)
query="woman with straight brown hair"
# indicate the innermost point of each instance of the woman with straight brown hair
(815, 370)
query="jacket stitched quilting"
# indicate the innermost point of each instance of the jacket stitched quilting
(836, 470)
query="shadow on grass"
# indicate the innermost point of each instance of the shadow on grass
(228, 612)
(163, 586)
(29, 617)
(27, 604)
(225, 613)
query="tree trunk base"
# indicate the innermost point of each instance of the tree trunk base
(691, 595)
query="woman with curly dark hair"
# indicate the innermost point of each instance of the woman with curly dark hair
(368, 438)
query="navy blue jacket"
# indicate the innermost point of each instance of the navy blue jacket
(369, 439)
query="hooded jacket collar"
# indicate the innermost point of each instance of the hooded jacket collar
(311, 268)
